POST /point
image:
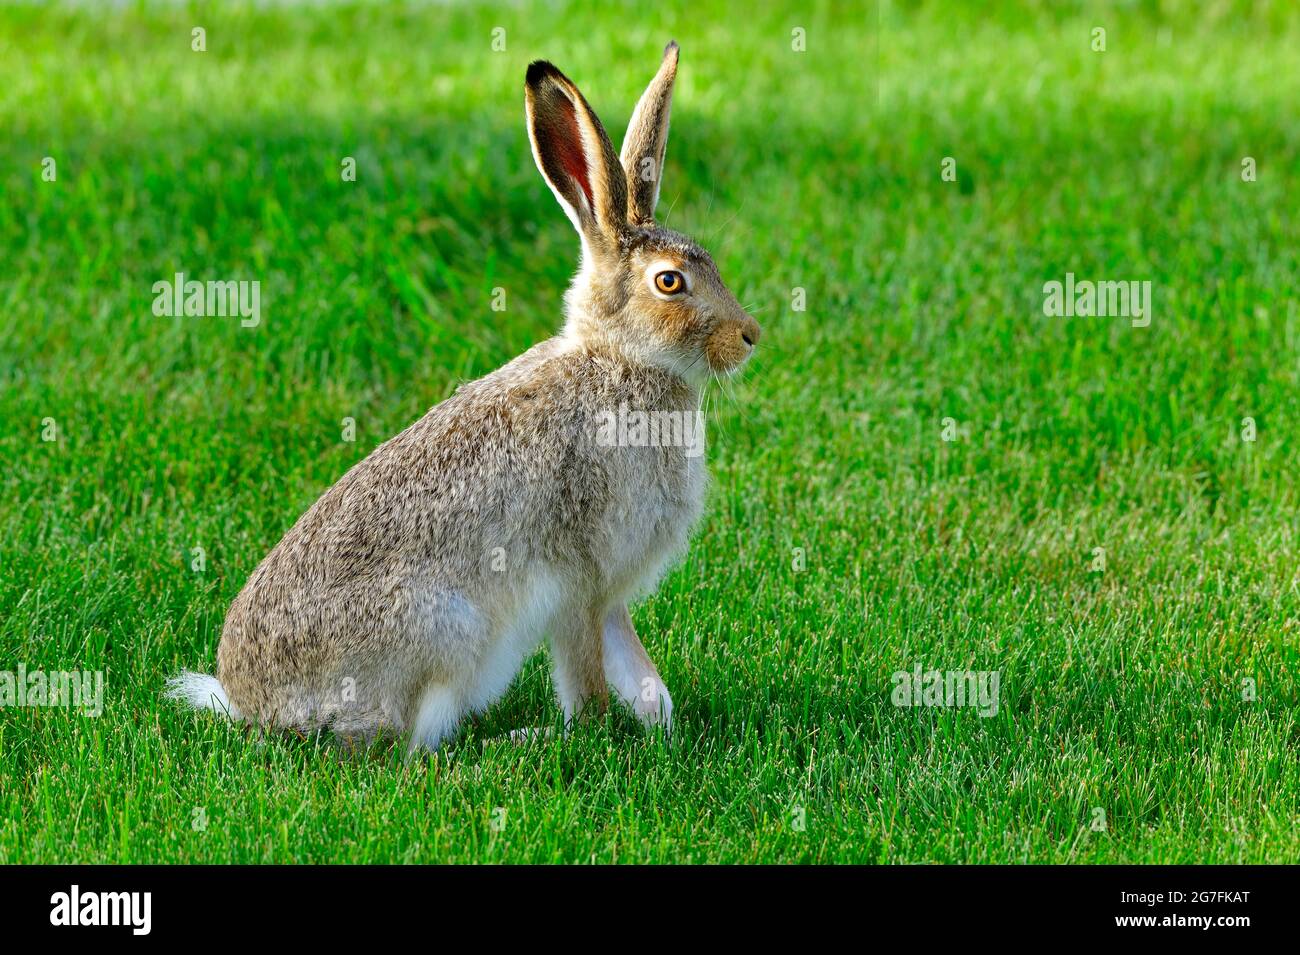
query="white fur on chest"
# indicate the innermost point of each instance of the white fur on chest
(654, 528)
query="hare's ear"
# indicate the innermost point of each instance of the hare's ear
(575, 156)
(646, 141)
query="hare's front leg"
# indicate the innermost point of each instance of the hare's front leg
(577, 663)
(632, 673)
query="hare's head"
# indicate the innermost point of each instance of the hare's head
(649, 294)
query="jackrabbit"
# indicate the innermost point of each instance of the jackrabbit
(410, 593)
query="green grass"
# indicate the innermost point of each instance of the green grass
(1121, 689)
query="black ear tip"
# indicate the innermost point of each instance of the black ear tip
(672, 48)
(539, 70)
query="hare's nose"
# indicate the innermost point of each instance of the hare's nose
(750, 331)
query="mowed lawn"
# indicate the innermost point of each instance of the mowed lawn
(1104, 530)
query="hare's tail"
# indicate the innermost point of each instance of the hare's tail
(202, 692)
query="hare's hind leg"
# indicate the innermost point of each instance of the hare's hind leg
(452, 636)
(437, 716)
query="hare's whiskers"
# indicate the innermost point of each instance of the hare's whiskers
(732, 398)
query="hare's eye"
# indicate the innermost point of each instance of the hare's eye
(670, 282)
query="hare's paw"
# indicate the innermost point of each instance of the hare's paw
(529, 734)
(653, 704)
(523, 736)
(439, 713)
